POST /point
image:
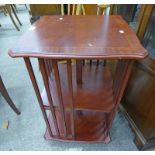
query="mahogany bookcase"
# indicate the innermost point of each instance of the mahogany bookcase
(82, 97)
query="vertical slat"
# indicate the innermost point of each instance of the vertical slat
(103, 11)
(125, 76)
(97, 62)
(49, 66)
(62, 9)
(79, 71)
(118, 75)
(58, 87)
(123, 72)
(49, 69)
(83, 62)
(68, 9)
(98, 10)
(36, 88)
(83, 9)
(90, 62)
(78, 9)
(73, 10)
(69, 77)
(104, 62)
(107, 124)
(46, 83)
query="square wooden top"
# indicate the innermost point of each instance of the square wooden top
(78, 37)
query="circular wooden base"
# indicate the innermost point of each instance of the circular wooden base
(90, 127)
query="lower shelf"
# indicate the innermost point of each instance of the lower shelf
(90, 127)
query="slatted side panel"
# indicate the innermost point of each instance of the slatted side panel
(45, 72)
(122, 74)
(50, 72)
(59, 93)
(36, 88)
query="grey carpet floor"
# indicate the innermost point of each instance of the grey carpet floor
(26, 131)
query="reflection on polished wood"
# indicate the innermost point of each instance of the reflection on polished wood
(82, 99)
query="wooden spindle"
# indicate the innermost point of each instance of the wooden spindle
(122, 77)
(83, 9)
(46, 83)
(97, 62)
(98, 10)
(78, 9)
(90, 62)
(103, 13)
(104, 62)
(79, 71)
(62, 9)
(70, 86)
(68, 10)
(125, 76)
(36, 89)
(47, 68)
(118, 74)
(83, 62)
(73, 10)
(59, 92)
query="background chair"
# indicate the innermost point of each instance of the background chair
(8, 8)
(15, 6)
(105, 8)
(73, 9)
(5, 94)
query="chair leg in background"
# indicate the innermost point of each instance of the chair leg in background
(7, 97)
(16, 15)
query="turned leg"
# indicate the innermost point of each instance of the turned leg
(7, 97)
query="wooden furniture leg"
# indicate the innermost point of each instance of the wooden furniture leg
(5, 11)
(14, 5)
(26, 6)
(10, 14)
(7, 97)
(16, 15)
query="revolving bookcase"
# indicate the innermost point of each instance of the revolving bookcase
(80, 93)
